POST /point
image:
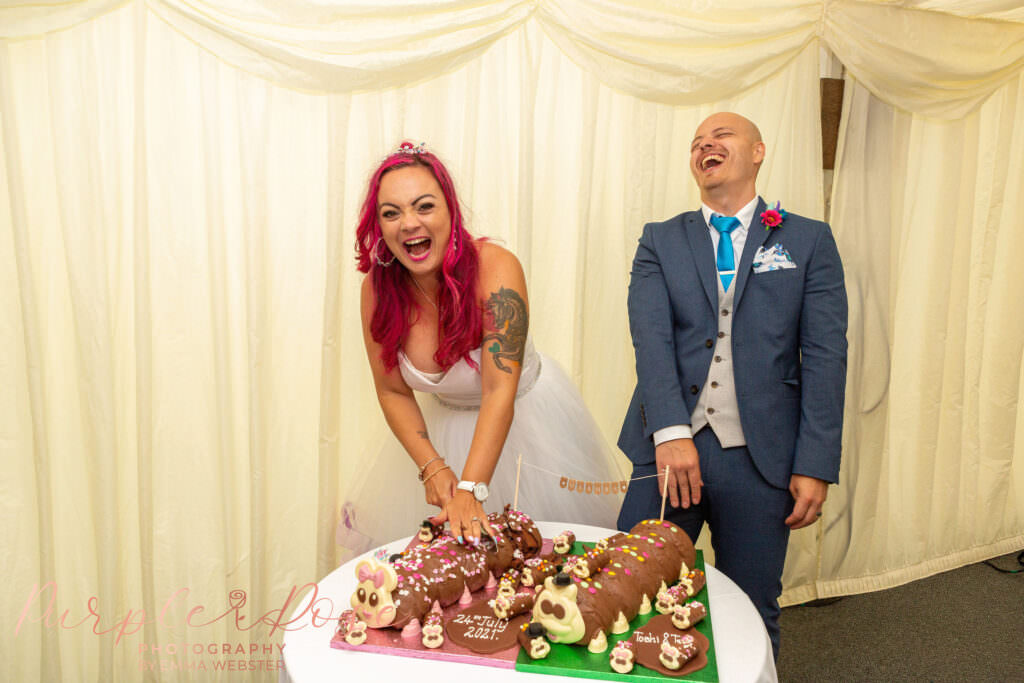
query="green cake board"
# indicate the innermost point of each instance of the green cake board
(578, 662)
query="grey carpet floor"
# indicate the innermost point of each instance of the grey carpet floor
(962, 625)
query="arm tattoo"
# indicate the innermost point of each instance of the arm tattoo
(510, 321)
(423, 433)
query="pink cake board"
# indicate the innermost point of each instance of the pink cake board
(390, 641)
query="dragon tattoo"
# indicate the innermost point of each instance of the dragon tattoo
(510, 322)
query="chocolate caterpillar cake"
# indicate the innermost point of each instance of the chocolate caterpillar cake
(582, 607)
(401, 593)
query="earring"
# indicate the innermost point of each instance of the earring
(376, 255)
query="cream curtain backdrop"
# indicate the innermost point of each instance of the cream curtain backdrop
(189, 401)
(927, 220)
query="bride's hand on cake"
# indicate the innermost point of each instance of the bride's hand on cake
(466, 517)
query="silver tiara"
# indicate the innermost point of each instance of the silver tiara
(409, 148)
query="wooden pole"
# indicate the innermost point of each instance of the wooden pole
(664, 492)
(515, 497)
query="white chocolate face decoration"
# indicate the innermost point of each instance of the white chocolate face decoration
(681, 617)
(506, 588)
(668, 598)
(685, 616)
(372, 599)
(561, 544)
(425, 535)
(433, 634)
(502, 606)
(539, 648)
(669, 656)
(508, 584)
(557, 612)
(665, 603)
(621, 657)
(356, 634)
(691, 584)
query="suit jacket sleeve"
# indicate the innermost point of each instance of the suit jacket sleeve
(823, 322)
(651, 325)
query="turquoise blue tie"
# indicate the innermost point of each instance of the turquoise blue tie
(725, 262)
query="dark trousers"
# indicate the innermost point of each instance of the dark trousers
(744, 513)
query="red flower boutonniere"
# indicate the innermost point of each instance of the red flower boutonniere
(773, 217)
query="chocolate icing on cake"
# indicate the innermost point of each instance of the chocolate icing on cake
(575, 609)
(441, 571)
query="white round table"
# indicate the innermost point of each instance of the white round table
(742, 647)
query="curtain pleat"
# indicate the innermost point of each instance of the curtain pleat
(939, 58)
(925, 218)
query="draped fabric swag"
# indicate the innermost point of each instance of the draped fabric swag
(189, 405)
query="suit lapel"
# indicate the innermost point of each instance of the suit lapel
(702, 251)
(756, 237)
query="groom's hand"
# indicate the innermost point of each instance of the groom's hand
(684, 482)
(808, 496)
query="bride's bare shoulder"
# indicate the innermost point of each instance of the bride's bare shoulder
(494, 257)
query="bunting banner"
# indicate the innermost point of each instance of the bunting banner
(593, 487)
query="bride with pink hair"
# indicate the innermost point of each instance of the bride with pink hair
(447, 315)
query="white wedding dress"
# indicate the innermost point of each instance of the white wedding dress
(552, 429)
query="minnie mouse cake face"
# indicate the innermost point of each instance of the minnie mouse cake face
(372, 598)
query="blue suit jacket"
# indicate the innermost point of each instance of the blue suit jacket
(788, 342)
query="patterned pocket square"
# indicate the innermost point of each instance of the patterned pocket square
(775, 258)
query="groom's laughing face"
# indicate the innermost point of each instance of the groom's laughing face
(726, 153)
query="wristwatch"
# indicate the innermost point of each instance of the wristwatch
(477, 488)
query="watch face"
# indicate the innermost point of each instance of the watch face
(480, 491)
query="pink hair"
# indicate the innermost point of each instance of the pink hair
(460, 320)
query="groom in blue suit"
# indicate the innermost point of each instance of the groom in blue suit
(738, 317)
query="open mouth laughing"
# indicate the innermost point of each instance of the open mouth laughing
(711, 161)
(418, 248)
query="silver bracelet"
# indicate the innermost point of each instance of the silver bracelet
(424, 468)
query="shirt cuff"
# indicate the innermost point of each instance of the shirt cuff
(670, 433)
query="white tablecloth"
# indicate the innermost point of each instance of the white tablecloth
(741, 643)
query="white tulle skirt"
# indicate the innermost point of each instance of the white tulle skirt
(553, 431)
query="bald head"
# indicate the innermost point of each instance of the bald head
(725, 157)
(732, 120)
